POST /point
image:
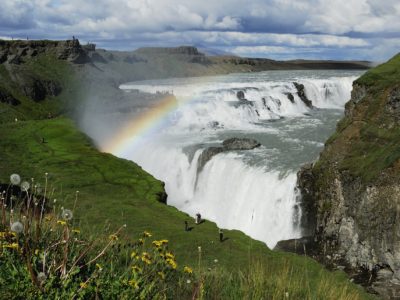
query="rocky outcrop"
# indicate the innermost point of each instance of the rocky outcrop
(37, 89)
(7, 98)
(232, 144)
(17, 52)
(72, 51)
(240, 144)
(351, 195)
(302, 94)
(240, 95)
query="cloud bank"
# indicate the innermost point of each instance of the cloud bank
(278, 29)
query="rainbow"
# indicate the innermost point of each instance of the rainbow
(140, 126)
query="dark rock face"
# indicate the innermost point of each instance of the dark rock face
(305, 182)
(393, 103)
(231, 144)
(7, 98)
(206, 155)
(240, 144)
(72, 51)
(38, 90)
(16, 52)
(290, 97)
(302, 246)
(240, 95)
(354, 216)
(300, 91)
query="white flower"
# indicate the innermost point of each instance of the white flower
(67, 214)
(15, 179)
(199, 248)
(41, 277)
(188, 281)
(17, 227)
(215, 260)
(25, 186)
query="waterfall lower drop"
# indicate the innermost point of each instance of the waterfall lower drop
(254, 190)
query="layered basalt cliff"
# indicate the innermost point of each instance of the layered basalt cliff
(351, 195)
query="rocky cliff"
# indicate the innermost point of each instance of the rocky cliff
(351, 195)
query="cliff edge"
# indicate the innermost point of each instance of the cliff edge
(351, 195)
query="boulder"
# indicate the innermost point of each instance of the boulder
(240, 144)
(240, 95)
(302, 95)
(290, 97)
(7, 98)
(231, 144)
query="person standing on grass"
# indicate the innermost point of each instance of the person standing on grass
(198, 218)
(186, 226)
(221, 235)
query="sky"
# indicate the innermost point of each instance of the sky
(276, 29)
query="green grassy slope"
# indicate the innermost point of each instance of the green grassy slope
(366, 142)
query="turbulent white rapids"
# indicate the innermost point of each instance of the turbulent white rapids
(253, 191)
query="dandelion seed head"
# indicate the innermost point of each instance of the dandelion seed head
(41, 277)
(199, 248)
(188, 281)
(17, 227)
(67, 214)
(15, 179)
(25, 185)
(55, 200)
(215, 260)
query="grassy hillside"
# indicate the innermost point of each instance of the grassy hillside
(366, 140)
(114, 191)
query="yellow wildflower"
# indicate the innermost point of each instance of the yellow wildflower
(63, 223)
(187, 270)
(133, 254)
(133, 283)
(146, 258)
(3, 234)
(136, 269)
(164, 242)
(140, 241)
(146, 234)
(11, 246)
(169, 255)
(76, 230)
(162, 275)
(172, 263)
(113, 237)
(98, 266)
(83, 285)
(157, 244)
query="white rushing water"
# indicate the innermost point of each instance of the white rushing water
(253, 191)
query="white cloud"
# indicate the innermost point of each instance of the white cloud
(335, 24)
